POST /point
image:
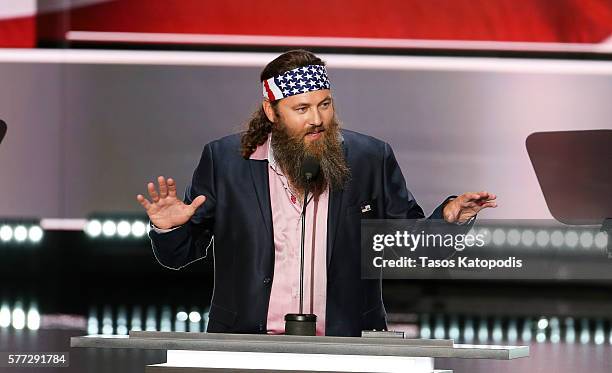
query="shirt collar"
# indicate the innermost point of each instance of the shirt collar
(264, 152)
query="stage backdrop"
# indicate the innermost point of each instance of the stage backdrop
(85, 138)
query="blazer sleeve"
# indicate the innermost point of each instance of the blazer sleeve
(399, 203)
(191, 241)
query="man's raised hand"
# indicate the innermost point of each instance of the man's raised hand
(164, 209)
(467, 205)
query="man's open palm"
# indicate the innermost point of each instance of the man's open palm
(165, 210)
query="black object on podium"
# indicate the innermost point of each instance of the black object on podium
(574, 169)
(2, 130)
(304, 323)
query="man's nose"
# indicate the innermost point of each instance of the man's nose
(316, 118)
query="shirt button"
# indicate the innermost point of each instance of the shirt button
(267, 281)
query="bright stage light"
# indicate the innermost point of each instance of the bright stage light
(151, 320)
(468, 331)
(542, 323)
(5, 316)
(571, 239)
(601, 239)
(33, 319)
(555, 331)
(123, 228)
(486, 235)
(182, 316)
(585, 333)
(542, 238)
(526, 332)
(165, 324)
(180, 321)
(92, 325)
(528, 238)
(20, 233)
(556, 238)
(586, 239)
(195, 317)
(439, 331)
(499, 237)
(497, 333)
(107, 320)
(93, 228)
(483, 331)
(92, 322)
(122, 321)
(139, 229)
(6, 233)
(18, 318)
(453, 330)
(136, 322)
(109, 228)
(35, 233)
(512, 334)
(425, 330)
(514, 237)
(599, 337)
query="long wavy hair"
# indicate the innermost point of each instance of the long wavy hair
(259, 127)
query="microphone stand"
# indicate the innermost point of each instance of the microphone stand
(302, 248)
(301, 323)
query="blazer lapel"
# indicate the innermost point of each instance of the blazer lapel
(333, 220)
(333, 216)
(259, 173)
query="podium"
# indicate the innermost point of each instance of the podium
(254, 353)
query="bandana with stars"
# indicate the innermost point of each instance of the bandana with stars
(294, 82)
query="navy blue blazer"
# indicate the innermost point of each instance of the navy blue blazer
(236, 221)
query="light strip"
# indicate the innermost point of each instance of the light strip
(335, 61)
(54, 224)
(306, 362)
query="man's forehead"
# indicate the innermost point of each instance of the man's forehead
(313, 97)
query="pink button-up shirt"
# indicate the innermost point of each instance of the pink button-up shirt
(287, 227)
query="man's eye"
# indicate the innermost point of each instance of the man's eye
(325, 105)
(301, 110)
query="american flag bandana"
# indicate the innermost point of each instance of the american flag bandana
(294, 82)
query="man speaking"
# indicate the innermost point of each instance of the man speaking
(245, 201)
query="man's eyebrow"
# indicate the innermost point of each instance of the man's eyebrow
(325, 99)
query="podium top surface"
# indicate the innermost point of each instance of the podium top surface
(300, 345)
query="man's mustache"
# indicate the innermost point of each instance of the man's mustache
(314, 130)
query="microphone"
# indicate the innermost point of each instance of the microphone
(310, 168)
(301, 323)
(2, 129)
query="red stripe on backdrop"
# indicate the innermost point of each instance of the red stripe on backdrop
(18, 32)
(575, 21)
(564, 21)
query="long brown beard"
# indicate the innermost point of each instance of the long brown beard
(290, 150)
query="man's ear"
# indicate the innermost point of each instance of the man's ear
(267, 107)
